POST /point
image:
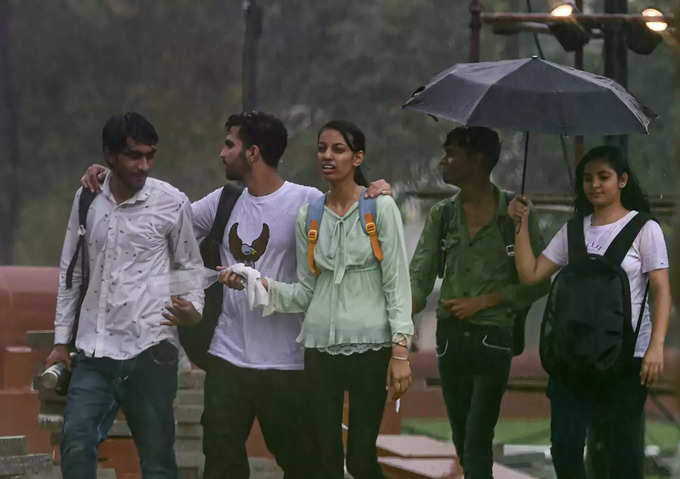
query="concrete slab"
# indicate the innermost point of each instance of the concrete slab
(414, 446)
(188, 414)
(400, 468)
(193, 379)
(25, 464)
(192, 397)
(106, 473)
(13, 446)
(188, 431)
(40, 338)
(503, 472)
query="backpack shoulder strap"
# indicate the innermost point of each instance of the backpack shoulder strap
(228, 197)
(576, 240)
(448, 216)
(86, 199)
(368, 215)
(314, 215)
(619, 247)
(508, 228)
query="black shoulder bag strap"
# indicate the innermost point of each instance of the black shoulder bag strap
(86, 198)
(618, 249)
(196, 339)
(210, 246)
(576, 239)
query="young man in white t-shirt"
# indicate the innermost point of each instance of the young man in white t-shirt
(256, 367)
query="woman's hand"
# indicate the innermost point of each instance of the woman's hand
(518, 208)
(93, 176)
(652, 365)
(398, 377)
(230, 279)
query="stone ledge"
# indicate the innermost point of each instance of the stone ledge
(25, 464)
(13, 446)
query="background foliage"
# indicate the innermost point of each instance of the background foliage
(75, 62)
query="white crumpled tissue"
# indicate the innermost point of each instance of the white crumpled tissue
(257, 294)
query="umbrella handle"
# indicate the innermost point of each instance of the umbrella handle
(524, 166)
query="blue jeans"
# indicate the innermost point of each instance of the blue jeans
(474, 363)
(144, 387)
(619, 415)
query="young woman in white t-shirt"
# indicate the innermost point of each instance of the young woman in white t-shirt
(607, 197)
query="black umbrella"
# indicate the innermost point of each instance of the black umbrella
(532, 95)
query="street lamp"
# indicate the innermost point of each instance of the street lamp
(571, 34)
(564, 9)
(654, 26)
(644, 38)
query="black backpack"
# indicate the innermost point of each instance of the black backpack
(507, 229)
(587, 340)
(196, 339)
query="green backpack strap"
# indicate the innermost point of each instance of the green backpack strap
(448, 216)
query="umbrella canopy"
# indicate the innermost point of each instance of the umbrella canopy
(532, 95)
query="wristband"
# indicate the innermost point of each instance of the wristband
(399, 358)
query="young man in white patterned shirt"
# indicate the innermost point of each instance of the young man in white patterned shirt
(126, 357)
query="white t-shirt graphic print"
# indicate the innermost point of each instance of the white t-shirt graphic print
(244, 337)
(648, 253)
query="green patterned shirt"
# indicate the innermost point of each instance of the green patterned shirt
(474, 266)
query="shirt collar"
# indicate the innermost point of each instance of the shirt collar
(140, 196)
(501, 208)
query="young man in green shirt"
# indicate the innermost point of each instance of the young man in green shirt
(480, 295)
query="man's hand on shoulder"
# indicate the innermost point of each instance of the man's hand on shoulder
(377, 188)
(180, 313)
(59, 354)
(93, 176)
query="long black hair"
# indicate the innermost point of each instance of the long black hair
(632, 197)
(355, 139)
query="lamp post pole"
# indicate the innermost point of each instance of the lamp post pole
(578, 63)
(475, 29)
(10, 191)
(252, 14)
(615, 54)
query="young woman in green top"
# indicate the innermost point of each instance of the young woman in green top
(357, 309)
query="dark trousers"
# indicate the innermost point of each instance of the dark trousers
(474, 363)
(619, 417)
(144, 387)
(364, 377)
(234, 397)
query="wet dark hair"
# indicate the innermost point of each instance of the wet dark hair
(263, 130)
(632, 197)
(355, 139)
(476, 139)
(132, 125)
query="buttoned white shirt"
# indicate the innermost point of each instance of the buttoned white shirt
(127, 243)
